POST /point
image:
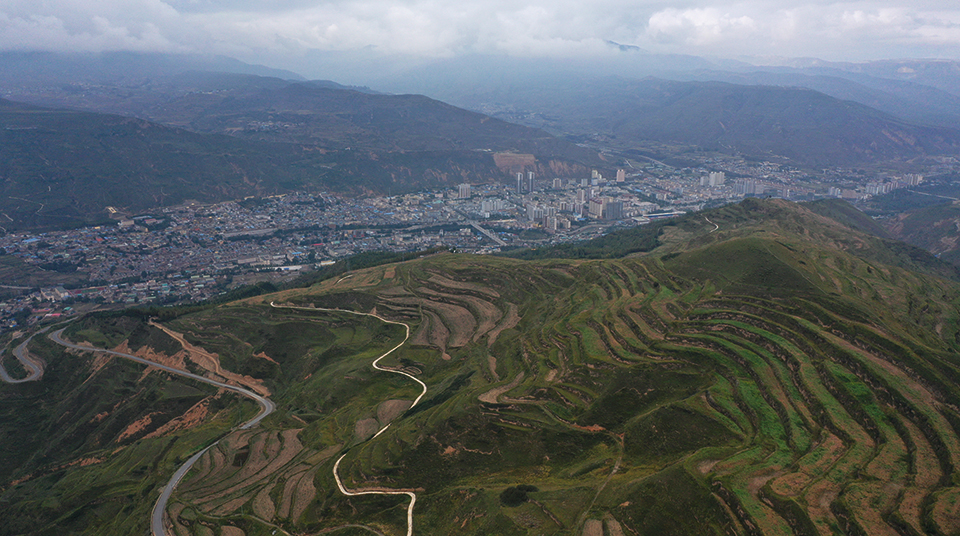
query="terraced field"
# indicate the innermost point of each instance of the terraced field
(626, 392)
(755, 383)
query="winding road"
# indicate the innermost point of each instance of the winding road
(266, 408)
(376, 365)
(160, 508)
(34, 368)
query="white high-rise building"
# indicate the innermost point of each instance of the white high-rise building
(464, 191)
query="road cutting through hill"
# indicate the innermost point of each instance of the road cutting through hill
(157, 527)
(34, 367)
(376, 365)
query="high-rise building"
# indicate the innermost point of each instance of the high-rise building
(596, 208)
(612, 210)
(621, 175)
(558, 183)
(531, 185)
(519, 182)
(464, 191)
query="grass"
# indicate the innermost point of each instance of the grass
(731, 398)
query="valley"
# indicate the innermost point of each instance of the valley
(807, 388)
(602, 298)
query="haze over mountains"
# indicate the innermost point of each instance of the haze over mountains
(909, 109)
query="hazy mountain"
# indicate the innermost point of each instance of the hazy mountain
(29, 70)
(61, 167)
(907, 100)
(803, 125)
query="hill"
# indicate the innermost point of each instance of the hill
(832, 223)
(805, 126)
(933, 228)
(319, 112)
(766, 374)
(62, 168)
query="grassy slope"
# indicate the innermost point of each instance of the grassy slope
(758, 379)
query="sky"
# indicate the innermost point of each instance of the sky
(278, 32)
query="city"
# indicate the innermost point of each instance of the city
(193, 252)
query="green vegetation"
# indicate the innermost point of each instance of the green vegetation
(765, 378)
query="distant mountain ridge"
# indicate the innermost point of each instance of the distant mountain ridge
(60, 168)
(803, 125)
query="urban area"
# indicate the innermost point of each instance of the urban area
(193, 252)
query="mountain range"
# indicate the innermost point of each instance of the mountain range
(212, 137)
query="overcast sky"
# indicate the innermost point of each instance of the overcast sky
(258, 29)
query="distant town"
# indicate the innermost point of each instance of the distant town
(195, 251)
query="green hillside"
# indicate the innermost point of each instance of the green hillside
(934, 228)
(782, 374)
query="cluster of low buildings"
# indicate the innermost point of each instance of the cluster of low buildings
(196, 251)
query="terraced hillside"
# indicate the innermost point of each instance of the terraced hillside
(759, 379)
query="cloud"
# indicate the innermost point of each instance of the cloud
(250, 28)
(699, 26)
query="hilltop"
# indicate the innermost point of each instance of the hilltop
(761, 369)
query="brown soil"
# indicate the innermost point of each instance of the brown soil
(229, 507)
(867, 502)
(459, 320)
(492, 363)
(391, 409)
(263, 355)
(493, 395)
(593, 527)
(613, 526)
(286, 499)
(946, 511)
(790, 484)
(365, 429)
(136, 427)
(706, 466)
(421, 337)
(263, 506)
(192, 417)
(211, 362)
(450, 283)
(489, 314)
(229, 530)
(268, 453)
(888, 464)
(175, 361)
(928, 471)
(819, 497)
(757, 481)
(306, 491)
